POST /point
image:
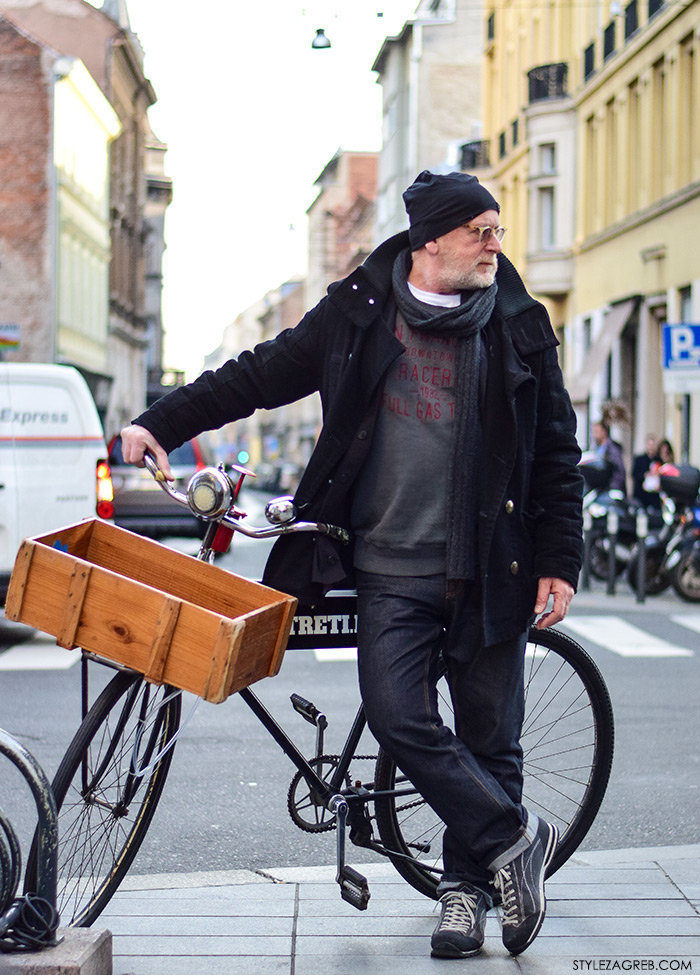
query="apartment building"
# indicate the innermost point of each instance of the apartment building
(112, 55)
(430, 74)
(592, 120)
(56, 127)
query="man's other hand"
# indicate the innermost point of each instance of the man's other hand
(136, 441)
(562, 594)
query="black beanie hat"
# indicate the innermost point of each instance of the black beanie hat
(436, 204)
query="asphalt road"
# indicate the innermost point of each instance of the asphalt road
(224, 805)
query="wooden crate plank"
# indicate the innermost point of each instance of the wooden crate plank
(285, 625)
(180, 575)
(224, 660)
(18, 580)
(73, 605)
(162, 639)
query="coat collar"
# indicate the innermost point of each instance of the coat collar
(363, 295)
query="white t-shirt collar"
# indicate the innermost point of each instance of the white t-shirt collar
(431, 298)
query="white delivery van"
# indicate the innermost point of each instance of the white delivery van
(53, 469)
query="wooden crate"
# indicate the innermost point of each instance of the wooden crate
(167, 615)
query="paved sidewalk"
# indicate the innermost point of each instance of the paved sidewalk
(622, 910)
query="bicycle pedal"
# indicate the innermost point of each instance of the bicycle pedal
(308, 711)
(354, 888)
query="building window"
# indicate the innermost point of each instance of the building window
(688, 128)
(515, 138)
(685, 304)
(631, 19)
(502, 145)
(609, 40)
(545, 202)
(491, 27)
(587, 330)
(548, 158)
(633, 180)
(588, 61)
(654, 7)
(658, 160)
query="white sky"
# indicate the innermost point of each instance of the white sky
(251, 115)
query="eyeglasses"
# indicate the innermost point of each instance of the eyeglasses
(486, 232)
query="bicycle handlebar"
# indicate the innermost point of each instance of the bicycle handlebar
(215, 485)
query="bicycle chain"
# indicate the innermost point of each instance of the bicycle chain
(292, 803)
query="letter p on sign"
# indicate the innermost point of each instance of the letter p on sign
(682, 342)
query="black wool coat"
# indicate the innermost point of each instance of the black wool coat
(529, 521)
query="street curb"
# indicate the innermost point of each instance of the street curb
(326, 874)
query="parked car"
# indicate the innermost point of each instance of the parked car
(143, 507)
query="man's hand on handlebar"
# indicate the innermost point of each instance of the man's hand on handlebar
(136, 441)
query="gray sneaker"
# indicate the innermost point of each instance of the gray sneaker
(460, 930)
(521, 885)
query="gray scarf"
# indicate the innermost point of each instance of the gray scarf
(464, 322)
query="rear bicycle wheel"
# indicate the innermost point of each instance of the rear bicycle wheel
(107, 788)
(567, 740)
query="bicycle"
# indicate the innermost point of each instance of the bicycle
(112, 776)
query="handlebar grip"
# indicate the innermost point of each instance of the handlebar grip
(152, 466)
(339, 534)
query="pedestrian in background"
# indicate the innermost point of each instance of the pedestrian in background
(640, 466)
(609, 452)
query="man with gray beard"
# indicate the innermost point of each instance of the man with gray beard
(448, 449)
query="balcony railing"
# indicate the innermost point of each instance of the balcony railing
(547, 81)
(474, 155)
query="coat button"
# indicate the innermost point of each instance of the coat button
(362, 435)
(513, 568)
(331, 560)
(510, 507)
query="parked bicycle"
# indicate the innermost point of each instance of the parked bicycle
(111, 779)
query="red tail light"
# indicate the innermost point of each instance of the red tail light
(104, 490)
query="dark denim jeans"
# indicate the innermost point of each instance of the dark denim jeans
(472, 779)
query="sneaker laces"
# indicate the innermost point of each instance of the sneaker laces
(503, 882)
(455, 903)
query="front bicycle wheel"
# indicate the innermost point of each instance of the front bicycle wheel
(107, 788)
(567, 740)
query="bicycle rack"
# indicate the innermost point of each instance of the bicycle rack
(47, 854)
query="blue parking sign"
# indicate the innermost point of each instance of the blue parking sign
(681, 357)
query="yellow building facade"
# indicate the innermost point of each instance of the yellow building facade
(592, 114)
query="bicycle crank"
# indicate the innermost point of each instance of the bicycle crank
(305, 805)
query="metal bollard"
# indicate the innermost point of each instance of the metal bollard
(613, 526)
(642, 529)
(585, 568)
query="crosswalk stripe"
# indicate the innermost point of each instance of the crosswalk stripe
(336, 655)
(622, 638)
(610, 632)
(691, 621)
(38, 656)
(329, 654)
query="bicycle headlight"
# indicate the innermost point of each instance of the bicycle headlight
(209, 493)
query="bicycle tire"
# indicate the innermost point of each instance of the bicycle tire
(568, 717)
(104, 811)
